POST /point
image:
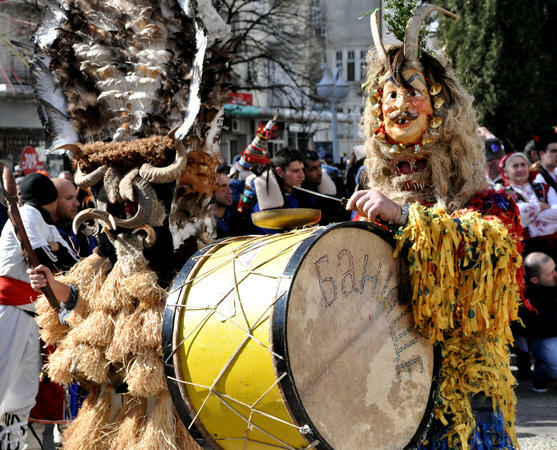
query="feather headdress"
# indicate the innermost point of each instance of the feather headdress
(130, 88)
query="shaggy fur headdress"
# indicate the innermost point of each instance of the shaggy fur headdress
(454, 158)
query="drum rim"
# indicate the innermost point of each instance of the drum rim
(181, 402)
(287, 385)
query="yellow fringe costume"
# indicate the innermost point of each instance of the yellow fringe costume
(463, 269)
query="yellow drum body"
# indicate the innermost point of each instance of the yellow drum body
(277, 341)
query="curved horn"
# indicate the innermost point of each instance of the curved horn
(111, 184)
(96, 214)
(151, 237)
(145, 198)
(169, 173)
(74, 149)
(412, 36)
(89, 179)
(126, 185)
(374, 24)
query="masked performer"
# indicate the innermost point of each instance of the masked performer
(135, 91)
(426, 170)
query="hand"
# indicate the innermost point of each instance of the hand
(544, 206)
(39, 276)
(372, 204)
(54, 246)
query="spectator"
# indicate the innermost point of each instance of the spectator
(546, 146)
(316, 179)
(66, 175)
(66, 210)
(229, 221)
(18, 172)
(541, 327)
(494, 152)
(19, 334)
(530, 151)
(3, 211)
(18, 182)
(354, 168)
(50, 401)
(274, 186)
(537, 202)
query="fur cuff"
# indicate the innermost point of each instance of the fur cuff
(269, 195)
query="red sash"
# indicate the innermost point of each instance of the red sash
(16, 292)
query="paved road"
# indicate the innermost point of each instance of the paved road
(536, 417)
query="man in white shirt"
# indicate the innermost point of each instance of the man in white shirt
(19, 334)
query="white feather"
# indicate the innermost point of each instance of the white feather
(194, 102)
(48, 30)
(187, 7)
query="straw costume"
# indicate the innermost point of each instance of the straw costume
(461, 240)
(134, 90)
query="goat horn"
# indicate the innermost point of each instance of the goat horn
(412, 36)
(151, 237)
(111, 184)
(169, 173)
(74, 149)
(126, 185)
(145, 198)
(89, 179)
(374, 24)
(93, 213)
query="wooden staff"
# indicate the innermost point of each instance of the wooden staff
(10, 194)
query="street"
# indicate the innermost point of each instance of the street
(536, 417)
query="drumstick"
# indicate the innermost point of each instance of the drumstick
(343, 201)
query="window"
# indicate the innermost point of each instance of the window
(351, 67)
(339, 56)
(350, 71)
(318, 18)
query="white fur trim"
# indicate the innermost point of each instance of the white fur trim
(327, 185)
(268, 191)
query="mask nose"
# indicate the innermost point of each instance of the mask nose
(401, 103)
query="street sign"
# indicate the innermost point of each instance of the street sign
(30, 160)
(240, 98)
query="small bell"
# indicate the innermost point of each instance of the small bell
(373, 99)
(438, 102)
(417, 148)
(381, 137)
(435, 89)
(436, 122)
(394, 150)
(426, 141)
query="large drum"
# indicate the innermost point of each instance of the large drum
(298, 340)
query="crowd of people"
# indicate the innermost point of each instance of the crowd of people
(530, 177)
(48, 207)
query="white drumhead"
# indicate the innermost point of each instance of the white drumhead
(360, 370)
